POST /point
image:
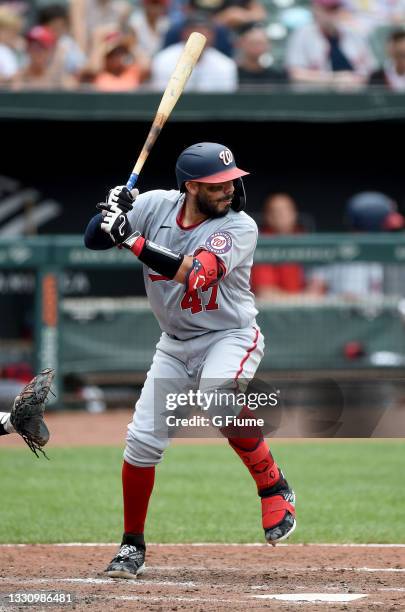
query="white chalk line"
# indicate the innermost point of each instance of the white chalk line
(190, 569)
(179, 568)
(109, 581)
(191, 583)
(166, 598)
(338, 569)
(316, 599)
(200, 568)
(202, 544)
(372, 569)
(394, 589)
(173, 598)
(214, 600)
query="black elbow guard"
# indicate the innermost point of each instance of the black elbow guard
(160, 259)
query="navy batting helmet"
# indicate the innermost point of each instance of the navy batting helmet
(210, 162)
(372, 211)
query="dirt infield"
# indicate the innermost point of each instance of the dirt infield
(82, 428)
(194, 577)
(213, 577)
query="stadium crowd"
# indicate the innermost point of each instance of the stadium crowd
(129, 45)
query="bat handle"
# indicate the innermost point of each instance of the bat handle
(132, 181)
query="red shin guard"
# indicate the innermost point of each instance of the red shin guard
(258, 461)
(137, 485)
(271, 485)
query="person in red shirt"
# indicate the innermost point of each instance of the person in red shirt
(280, 217)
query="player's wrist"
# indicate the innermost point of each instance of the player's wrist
(158, 258)
(135, 243)
(6, 422)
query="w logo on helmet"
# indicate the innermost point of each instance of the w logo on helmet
(226, 157)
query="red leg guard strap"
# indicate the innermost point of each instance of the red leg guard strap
(274, 509)
(260, 464)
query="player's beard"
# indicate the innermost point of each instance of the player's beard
(209, 209)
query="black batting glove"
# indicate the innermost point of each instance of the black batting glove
(119, 199)
(116, 225)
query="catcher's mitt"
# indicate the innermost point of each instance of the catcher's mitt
(28, 411)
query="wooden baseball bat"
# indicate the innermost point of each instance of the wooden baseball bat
(172, 93)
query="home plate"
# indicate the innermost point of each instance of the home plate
(329, 597)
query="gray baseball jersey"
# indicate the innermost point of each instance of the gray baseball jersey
(229, 304)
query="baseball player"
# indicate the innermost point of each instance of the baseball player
(196, 244)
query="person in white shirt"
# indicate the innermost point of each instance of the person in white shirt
(214, 71)
(150, 21)
(325, 52)
(10, 28)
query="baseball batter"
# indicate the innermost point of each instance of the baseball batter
(196, 245)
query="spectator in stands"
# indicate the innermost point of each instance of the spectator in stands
(392, 74)
(88, 17)
(232, 13)
(214, 70)
(325, 52)
(41, 71)
(150, 22)
(120, 71)
(221, 38)
(56, 18)
(372, 211)
(226, 15)
(369, 17)
(10, 28)
(368, 211)
(26, 9)
(254, 58)
(280, 218)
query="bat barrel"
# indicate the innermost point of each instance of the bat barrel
(175, 87)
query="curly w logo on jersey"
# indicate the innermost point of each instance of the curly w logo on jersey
(219, 243)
